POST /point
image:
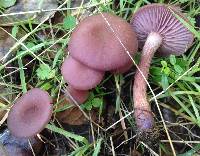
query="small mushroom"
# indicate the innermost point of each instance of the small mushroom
(80, 76)
(158, 30)
(94, 44)
(80, 96)
(30, 114)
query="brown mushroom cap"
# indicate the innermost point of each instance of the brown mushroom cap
(80, 76)
(94, 44)
(176, 38)
(30, 114)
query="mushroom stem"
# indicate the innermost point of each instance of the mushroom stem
(143, 114)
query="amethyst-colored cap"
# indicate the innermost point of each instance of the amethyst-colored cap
(30, 114)
(94, 44)
(79, 96)
(80, 76)
(176, 38)
(123, 69)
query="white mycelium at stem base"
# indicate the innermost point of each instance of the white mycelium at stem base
(143, 114)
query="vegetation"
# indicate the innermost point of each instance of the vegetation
(35, 58)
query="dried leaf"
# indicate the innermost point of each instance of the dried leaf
(7, 41)
(73, 115)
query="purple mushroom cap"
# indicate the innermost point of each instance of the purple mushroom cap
(94, 44)
(79, 76)
(30, 114)
(158, 30)
(79, 96)
(159, 18)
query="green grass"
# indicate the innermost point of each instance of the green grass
(45, 45)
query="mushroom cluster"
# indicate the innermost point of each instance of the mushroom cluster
(158, 30)
(94, 49)
(30, 114)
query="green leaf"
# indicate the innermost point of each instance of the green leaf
(183, 1)
(29, 45)
(79, 151)
(184, 107)
(178, 69)
(88, 106)
(195, 108)
(7, 3)
(46, 86)
(187, 78)
(181, 62)
(44, 72)
(22, 75)
(164, 63)
(97, 102)
(172, 59)
(92, 102)
(69, 22)
(67, 134)
(98, 148)
(15, 30)
(58, 54)
(164, 82)
(155, 71)
(166, 71)
(192, 20)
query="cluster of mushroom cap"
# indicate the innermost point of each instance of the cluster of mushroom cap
(98, 44)
(95, 49)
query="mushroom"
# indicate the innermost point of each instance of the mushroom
(94, 49)
(30, 114)
(94, 44)
(80, 96)
(158, 30)
(80, 76)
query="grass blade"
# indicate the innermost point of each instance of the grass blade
(22, 75)
(98, 148)
(67, 134)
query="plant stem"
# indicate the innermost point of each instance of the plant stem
(143, 114)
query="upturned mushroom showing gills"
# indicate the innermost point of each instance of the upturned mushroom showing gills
(94, 44)
(157, 29)
(30, 114)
